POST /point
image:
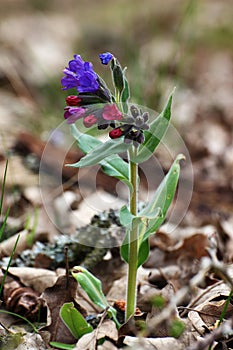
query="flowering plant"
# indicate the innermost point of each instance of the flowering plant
(132, 131)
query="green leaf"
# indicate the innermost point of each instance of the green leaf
(59, 345)
(2, 228)
(95, 150)
(125, 95)
(124, 249)
(113, 165)
(93, 287)
(74, 320)
(101, 152)
(163, 197)
(143, 252)
(85, 142)
(154, 135)
(3, 186)
(152, 215)
(128, 220)
(116, 167)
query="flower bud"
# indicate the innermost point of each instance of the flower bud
(118, 76)
(73, 100)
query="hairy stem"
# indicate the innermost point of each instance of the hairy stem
(133, 245)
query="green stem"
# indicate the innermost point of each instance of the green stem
(133, 245)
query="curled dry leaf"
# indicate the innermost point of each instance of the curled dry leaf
(22, 300)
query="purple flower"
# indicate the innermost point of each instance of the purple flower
(80, 75)
(73, 113)
(105, 57)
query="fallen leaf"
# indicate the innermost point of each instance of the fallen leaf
(107, 329)
(167, 343)
(63, 291)
(38, 279)
(22, 300)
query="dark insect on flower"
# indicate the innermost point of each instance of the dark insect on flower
(130, 133)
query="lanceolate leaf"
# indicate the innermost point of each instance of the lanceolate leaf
(125, 95)
(162, 199)
(152, 216)
(116, 167)
(113, 165)
(85, 142)
(93, 287)
(101, 152)
(96, 152)
(156, 132)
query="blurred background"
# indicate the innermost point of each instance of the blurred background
(182, 43)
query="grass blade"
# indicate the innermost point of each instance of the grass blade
(8, 265)
(3, 187)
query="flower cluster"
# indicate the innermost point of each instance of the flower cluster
(133, 127)
(96, 105)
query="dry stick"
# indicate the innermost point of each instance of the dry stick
(224, 329)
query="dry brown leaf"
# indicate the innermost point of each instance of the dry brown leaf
(7, 246)
(38, 279)
(153, 343)
(107, 329)
(209, 306)
(62, 292)
(21, 300)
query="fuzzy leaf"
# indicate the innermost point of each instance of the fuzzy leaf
(101, 152)
(85, 142)
(154, 135)
(163, 198)
(152, 216)
(74, 320)
(113, 165)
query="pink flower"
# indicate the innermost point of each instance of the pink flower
(89, 121)
(111, 112)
